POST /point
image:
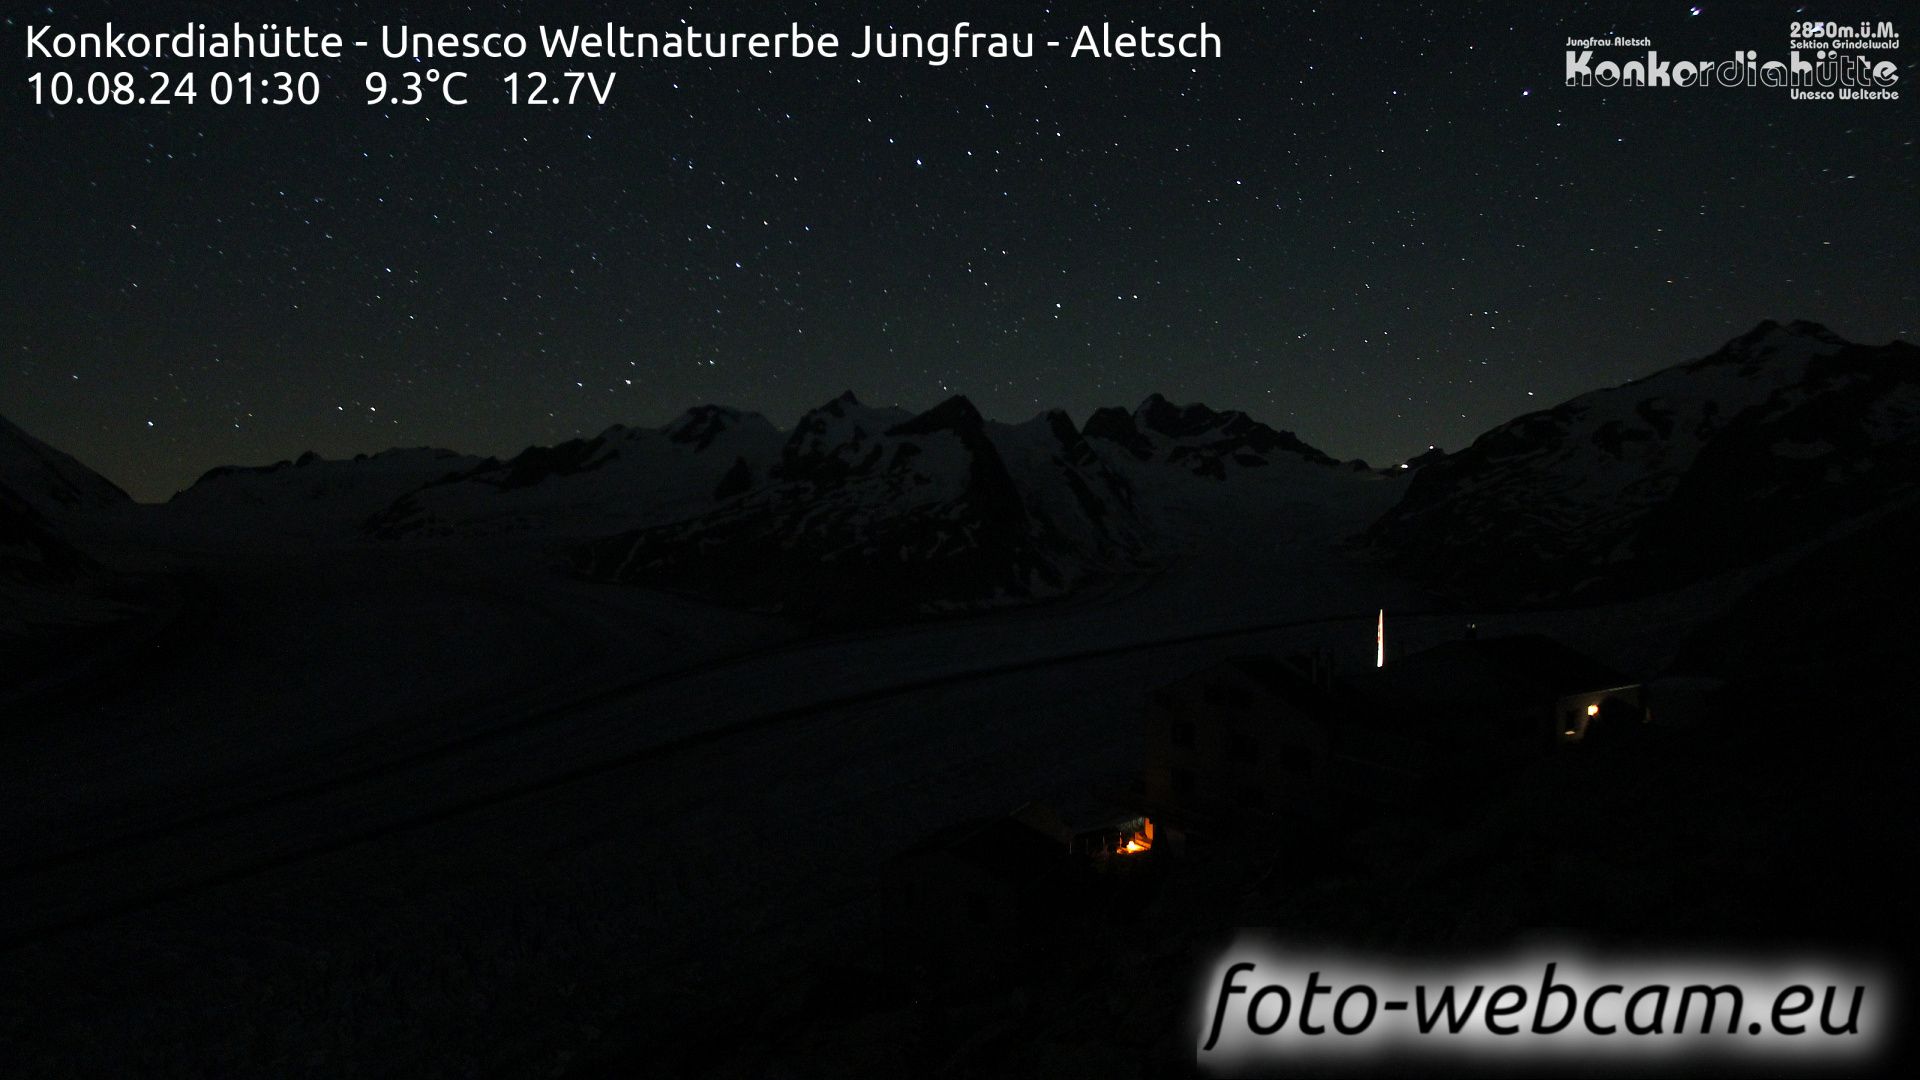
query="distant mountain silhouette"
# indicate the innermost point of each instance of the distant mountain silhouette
(621, 478)
(310, 494)
(1773, 440)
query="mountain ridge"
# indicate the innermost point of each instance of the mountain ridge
(1711, 463)
(1704, 465)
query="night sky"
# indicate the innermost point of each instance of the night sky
(1377, 226)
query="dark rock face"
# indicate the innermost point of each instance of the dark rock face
(1117, 426)
(31, 553)
(1197, 438)
(536, 464)
(1768, 442)
(738, 479)
(702, 424)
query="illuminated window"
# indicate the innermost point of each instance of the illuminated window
(1141, 839)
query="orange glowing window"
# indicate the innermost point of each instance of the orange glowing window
(1141, 840)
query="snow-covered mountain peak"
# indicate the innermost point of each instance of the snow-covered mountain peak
(879, 510)
(835, 438)
(1692, 466)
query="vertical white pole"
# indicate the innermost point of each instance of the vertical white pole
(1380, 641)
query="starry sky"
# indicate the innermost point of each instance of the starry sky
(1380, 226)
